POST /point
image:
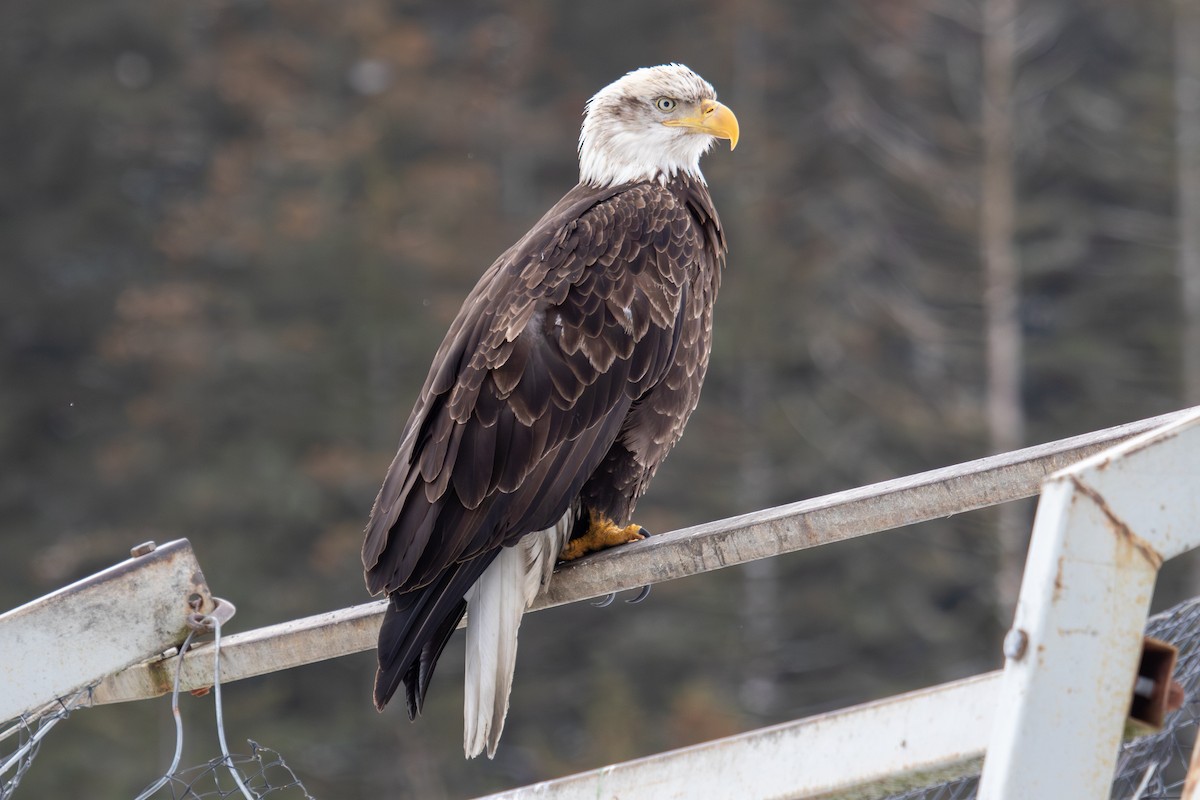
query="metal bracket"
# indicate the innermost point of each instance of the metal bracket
(1155, 691)
(71, 638)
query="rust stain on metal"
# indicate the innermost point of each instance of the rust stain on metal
(1118, 525)
(161, 675)
(1176, 695)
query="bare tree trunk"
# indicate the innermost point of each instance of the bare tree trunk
(761, 622)
(1187, 138)
(1187, 109)
(1005, 415)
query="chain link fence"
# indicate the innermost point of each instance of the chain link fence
(261, 773)
(28, 731)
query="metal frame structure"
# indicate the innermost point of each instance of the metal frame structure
(1049, 725)
(1103, 529)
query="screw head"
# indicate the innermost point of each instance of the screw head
(143, 549)
(1016, 642)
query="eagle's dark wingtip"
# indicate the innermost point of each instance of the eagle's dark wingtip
(416, 627)
(414, 698)
(383, 692)
(386, 686)
(388, 680)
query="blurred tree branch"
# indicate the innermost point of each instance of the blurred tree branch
(1001, 296)
(1187, 109)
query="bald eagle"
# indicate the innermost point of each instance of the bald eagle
(563, 382)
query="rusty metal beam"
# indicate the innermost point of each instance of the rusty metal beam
(72, 638)
(762, 534)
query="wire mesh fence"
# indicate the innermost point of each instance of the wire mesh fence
(28, 731)
(261, 773)
(1151, 767)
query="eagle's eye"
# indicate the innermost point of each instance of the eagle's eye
(664, 104)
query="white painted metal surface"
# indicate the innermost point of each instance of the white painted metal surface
(870, 750)
(810, 523)
(1102, 531)
(72, 638)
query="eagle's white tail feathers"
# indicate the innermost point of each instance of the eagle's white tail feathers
(495, 605)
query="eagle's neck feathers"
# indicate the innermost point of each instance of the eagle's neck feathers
(611, 154)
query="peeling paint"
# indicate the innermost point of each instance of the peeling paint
(1058, 578)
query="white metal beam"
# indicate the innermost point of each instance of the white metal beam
(246, 655)
(871, 750)
(809, 523)
(834, 517)
(73, 637)
(1103, 529)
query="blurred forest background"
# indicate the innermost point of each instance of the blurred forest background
(232, 233)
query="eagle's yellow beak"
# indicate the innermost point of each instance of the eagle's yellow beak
(713, 118)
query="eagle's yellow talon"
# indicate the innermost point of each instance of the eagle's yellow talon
(602, 533)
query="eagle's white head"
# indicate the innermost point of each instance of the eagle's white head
(651, 124)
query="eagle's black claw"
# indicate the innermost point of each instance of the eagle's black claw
(642, 595)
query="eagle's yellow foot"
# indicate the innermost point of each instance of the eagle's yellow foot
(601, 534)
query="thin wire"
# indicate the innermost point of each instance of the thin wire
(161, 782)
(42, 730)
(1141, 789)
(22, 723)
(228, 759)
(44, 727)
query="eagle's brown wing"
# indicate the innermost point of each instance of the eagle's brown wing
(526, 396)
